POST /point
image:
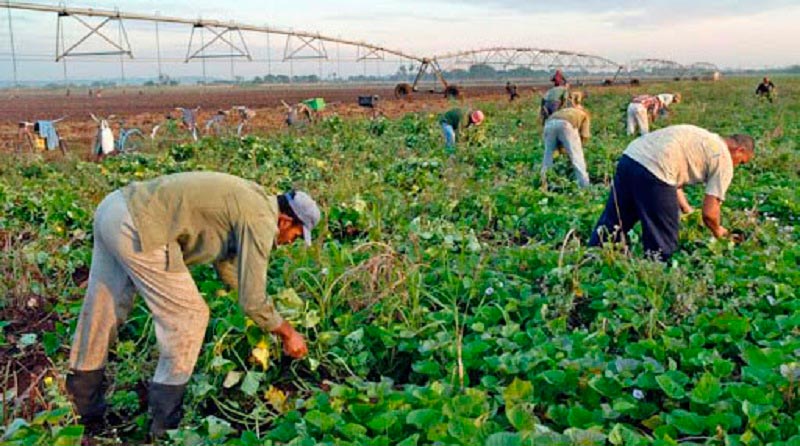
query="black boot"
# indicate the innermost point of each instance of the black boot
(88, 393)
(166, 408)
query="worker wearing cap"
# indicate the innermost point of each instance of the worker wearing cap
(452, 120)
(145, 236)
(568, 128)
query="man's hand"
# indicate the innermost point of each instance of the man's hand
(711, 216)
(683, 203)
(293, 343)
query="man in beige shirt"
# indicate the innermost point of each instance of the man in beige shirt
(568, 128)
(648, 184)
(145, 236)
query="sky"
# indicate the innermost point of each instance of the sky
(729, 33)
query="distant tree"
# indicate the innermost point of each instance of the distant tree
(482, 71)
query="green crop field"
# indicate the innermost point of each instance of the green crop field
(446, 300)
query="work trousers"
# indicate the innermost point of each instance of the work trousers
(558, 132)
(120, 268)
(638, 195)
(449, 138)
(637, 117)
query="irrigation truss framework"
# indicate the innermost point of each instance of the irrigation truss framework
(101, 25)
(533, 59)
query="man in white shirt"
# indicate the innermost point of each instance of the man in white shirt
(648, 184)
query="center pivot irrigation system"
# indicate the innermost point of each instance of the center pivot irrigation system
(301, 45)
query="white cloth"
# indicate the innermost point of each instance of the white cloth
(637, 118)
(558, 131)
(666, 99)
(685, 154)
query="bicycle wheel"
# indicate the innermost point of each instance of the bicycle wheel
(26, 143)
(134, 141)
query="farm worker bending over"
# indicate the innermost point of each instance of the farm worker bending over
(554, 99)
(568, 128)
(641, 111)
(765, 89)
(145, 236)
(648, 184)
(452, 121)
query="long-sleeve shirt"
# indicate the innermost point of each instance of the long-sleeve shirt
(560, 94)
(578, 118)
(210, 217)
(455, 117)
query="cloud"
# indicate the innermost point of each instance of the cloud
(636, 13)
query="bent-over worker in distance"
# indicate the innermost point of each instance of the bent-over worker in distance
(642, 110)
(568, 128)
(648, 184)
(145, 236)
(453, 120)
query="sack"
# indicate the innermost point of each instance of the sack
(104, 140)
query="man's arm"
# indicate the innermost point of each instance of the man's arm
(683, 202)
(253, 252)
(712, 216)
(226, 271)
(586, 129)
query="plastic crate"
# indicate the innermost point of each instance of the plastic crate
(368, 101)
(316, 104)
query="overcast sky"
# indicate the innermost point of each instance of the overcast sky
(730, 33)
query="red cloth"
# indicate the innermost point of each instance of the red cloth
(651, 103)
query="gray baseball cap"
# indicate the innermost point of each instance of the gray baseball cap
(306, 209)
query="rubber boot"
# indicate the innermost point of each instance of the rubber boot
(166, 408)
(88, 393)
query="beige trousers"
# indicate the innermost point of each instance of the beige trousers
(119, 268)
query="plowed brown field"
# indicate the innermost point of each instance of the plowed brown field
(146, 107)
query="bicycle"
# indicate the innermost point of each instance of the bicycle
(130, 139)
(29, 134)
(170, 125)
(216, 125)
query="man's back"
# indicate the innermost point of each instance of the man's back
(195, 206)
(454, 117)
(685, 154)
(556, 94)
(577, 117)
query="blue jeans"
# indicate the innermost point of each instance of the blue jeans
(449, 137)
